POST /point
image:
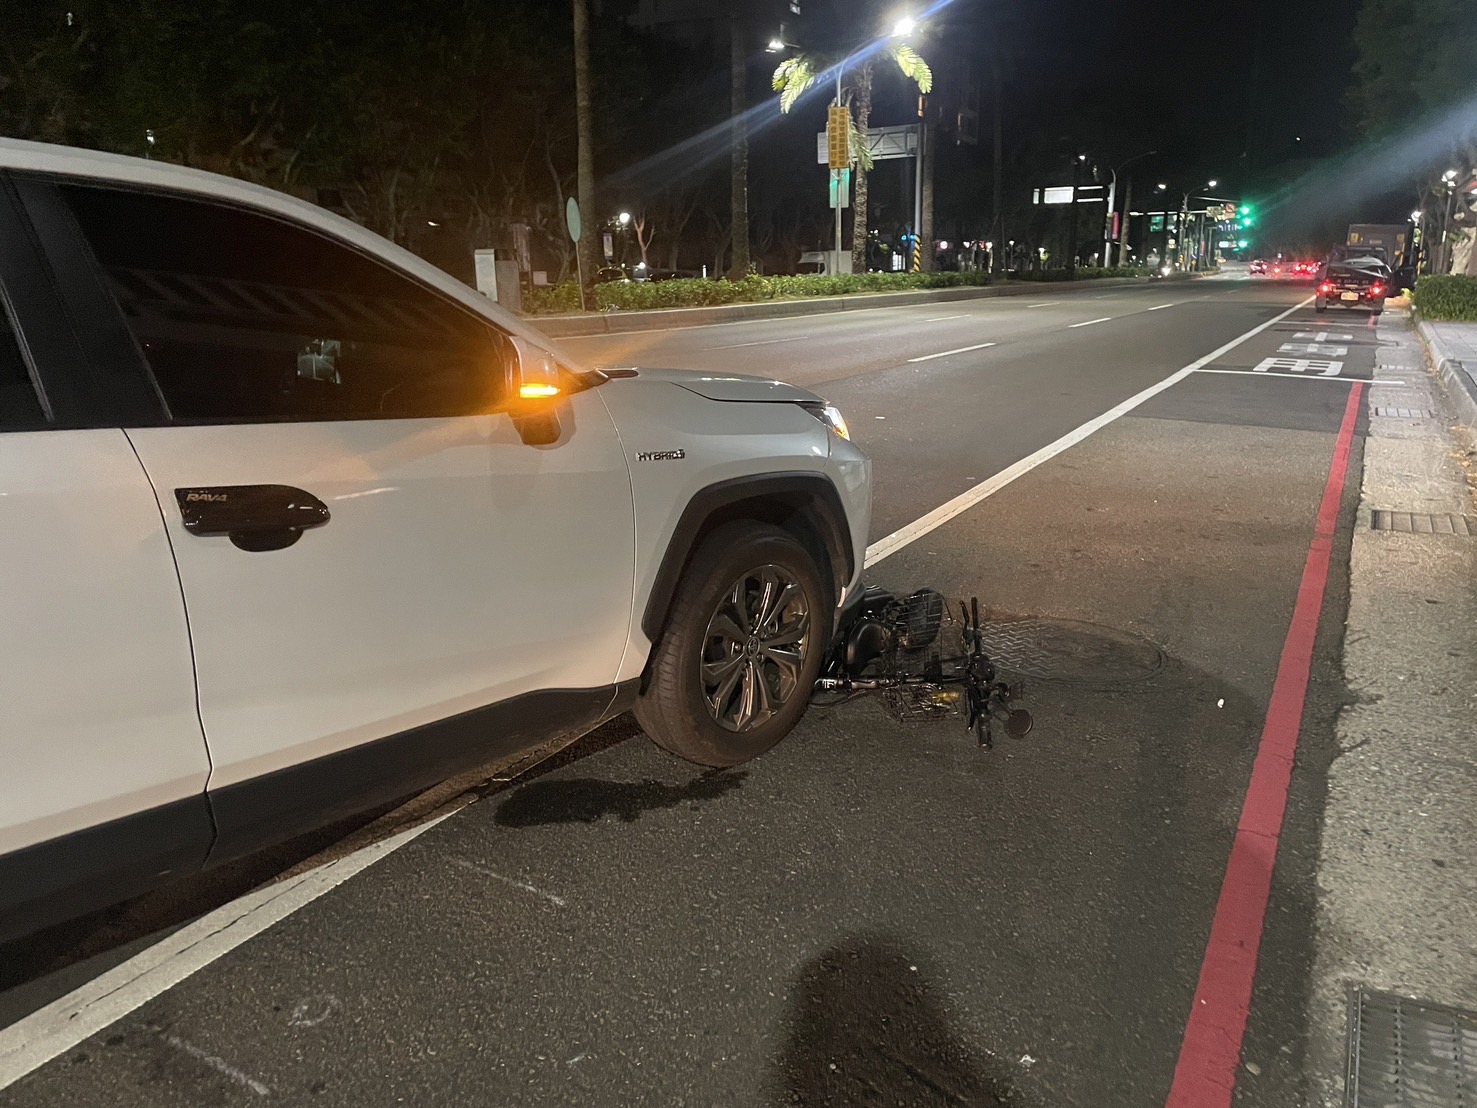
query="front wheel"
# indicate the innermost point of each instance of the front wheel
(733, 671)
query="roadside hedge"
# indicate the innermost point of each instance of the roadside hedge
(704, 293)
(1447, 298)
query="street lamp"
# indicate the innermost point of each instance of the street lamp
(904, 27)
(625, 218)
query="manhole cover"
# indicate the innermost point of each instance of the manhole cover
(1070, 651)
(1423, 523)
(1409, 1054)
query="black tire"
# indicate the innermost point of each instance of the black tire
(1320, 305)
(688, 706)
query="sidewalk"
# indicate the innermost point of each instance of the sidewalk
(1397, 884)
(1453, 350)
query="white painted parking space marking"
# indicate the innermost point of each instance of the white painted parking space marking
(1326, 351)
(904, 536)
(949, 353)
(1160, 307)
(30, 1043)
(1322, 336)
(1299, 365)
(1090, 322)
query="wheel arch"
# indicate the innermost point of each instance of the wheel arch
(805, 505)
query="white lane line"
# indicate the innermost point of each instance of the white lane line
(220, 1065)
(485, 872)
(947, 353)
(1297, 376)
(761, 342)
(941, 318)
(31, 1042)
(1157, 307)
(890, 545)
(1090, 322)
(1044, 304)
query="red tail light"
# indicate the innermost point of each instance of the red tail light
(1325, 287)
(1376, 290)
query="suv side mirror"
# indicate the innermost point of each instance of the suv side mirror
(534, 388)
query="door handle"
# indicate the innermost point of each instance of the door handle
(254, 517)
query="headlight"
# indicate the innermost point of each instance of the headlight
(831, 416)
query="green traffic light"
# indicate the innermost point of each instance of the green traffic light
(1245, 209)
(1243, 243)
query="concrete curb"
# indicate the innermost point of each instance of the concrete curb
(1459, 377)
(615, 323)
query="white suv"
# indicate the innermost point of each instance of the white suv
(293, 524)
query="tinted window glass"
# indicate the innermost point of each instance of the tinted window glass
(245, 318)
(19, 407)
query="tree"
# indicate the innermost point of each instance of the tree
(861, 219)
(796, 75)
(739, 181)
(585, 131)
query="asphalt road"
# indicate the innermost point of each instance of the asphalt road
(875, 912)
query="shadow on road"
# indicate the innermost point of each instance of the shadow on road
(866, 1029)
(589, 800)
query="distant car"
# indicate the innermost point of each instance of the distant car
(672, 275)
(611, 274)
(1258, 267)
(1304, 271)
(1354, 283)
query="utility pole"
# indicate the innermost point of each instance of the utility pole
(997, 252)
(1072, 208)
(860, 217)
(739, 152)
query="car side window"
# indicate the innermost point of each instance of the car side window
(20, 407)
(246, 318)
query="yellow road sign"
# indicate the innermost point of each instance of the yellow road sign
(838, 136)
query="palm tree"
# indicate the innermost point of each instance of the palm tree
(796, 75)
(739, 166)
(585, 131)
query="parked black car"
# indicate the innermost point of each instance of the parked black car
(1353, 283)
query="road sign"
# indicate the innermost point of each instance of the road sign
(572, 219)
(841, 188)
(883, 143)
(838, 137)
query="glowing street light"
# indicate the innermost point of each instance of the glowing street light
(775, 46)
(904, 27)
(1415, 216)
(1211, 183)
(625, 218)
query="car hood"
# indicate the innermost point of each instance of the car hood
(732, 387)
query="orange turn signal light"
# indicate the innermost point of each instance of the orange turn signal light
(537, 392)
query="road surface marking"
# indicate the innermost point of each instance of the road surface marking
(1210, 1053)
(31, 1042)
(485, 872)
(947, 353)
(891, 544)
(220, 1065)
(1296, 376)
(1160, 307)
(1045, 304)
(1090, 322)
(941, 318)
(760, 342)
(1322, 336)
(1313, 348)
(1299, 365)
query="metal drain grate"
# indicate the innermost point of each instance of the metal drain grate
(1423, 523)
(1409, 1054)
(1405, 413)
